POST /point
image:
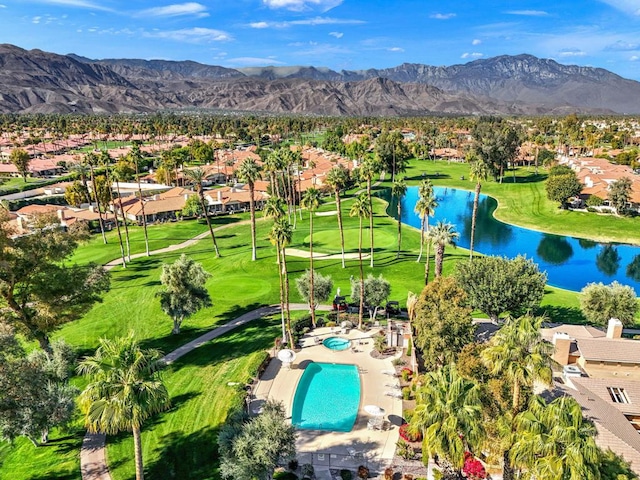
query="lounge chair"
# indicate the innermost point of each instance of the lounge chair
(391, 373)
(394, 394)
(354, 454)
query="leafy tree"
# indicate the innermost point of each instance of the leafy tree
(558, 170)
(498, 285)
(376, 292)
(253, 448)
(442, 322)
(197, 176)
(398, 190)
(184, 290)
(34, 391)
(124, 390)
(41, 291)
(20, 159)
(448, 413)
(600, 302)
(76, 194)
(560, 188)
(442, 235)
(360, 208)
(496, 143)
(249, 172)
(322, 287)
(555, 441)
(392, 152)
(545, 157)
(614, 467)
(619, 194)
(192, 207)
(338, 178)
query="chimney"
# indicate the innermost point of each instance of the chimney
(562, 344)
(61, 214)
(614, 329)
(219, 196)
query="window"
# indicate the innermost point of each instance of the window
(618, 395)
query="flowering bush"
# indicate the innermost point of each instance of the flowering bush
(473, 467)
(408, 436)
(406, 373)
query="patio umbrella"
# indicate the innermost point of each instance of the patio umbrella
(374, 410)
(286, 355)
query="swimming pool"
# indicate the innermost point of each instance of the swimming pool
(327, 398)
(336, 343)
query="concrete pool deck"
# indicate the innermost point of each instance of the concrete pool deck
(329, 449)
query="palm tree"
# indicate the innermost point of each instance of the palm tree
(337, 178)
(368, 169)
(123, 171)
(274, 208)
(555, 441)
(425, 207)
(81, 169)
(519, 353)
(360, 209)
(311, 201)
(449, 415)
(136, 157)
(442, 235)
(398, 190)
(91, 159)
(249, 172)
(197, 176)
(280, 236)
(124, 390)
(105, 159)
(479, 172)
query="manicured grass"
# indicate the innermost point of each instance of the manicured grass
(525, 203)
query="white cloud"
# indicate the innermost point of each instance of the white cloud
(303, 5)
(191, 35)
(622, 46)
(77, 3)
(251, 62)
(630, 7)
(308, 21)
(336, 34)
(36, 20)
(570, 52)
(528, 13)
(2, 6)
(476, 41)
(472, 55)
(634, 58)
(175, 10)
(442, 16)
(322, 49)
(395, 49)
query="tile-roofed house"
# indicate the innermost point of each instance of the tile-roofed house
(67, 215)
(161, 207)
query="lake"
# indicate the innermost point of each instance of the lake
(570, 263)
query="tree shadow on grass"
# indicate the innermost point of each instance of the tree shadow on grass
(183, 456)
(559, 314)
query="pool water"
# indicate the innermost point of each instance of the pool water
(327, 398)
(336, 343)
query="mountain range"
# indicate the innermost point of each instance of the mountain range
(34, 81)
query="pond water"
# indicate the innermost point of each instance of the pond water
(570, 263)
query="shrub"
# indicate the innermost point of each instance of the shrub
(409, 348)
(307, 470)
(406, 373)
(346, 474)
(363, 472)
(330, 324)
(473, 467)
(299, 324)
(320, 321)
(594, 201)
(398, 362)
(406, 393)
(591, 209)
(380, 343)
(408, 415)
(404, 450)
(293, 464)
(408, 435)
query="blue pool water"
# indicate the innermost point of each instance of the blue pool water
(336, 343)
(327, 398)
(570, 263)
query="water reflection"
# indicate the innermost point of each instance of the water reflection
(554, 249)
(570, 263)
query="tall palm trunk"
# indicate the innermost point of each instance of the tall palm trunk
(144, 217)
(474, 215)
(399, 227)
(137, 447)
(290, 197)
(422, 222)
(370, 220)
(208, 220)
(312, 300)
(427, 263)
(95, 195)
(124, 221)
(361, 309)
(252, 210)
(339, 209)
(282, 318)
(439, 258)
(515, 403)
(124, 261)
(285, 280)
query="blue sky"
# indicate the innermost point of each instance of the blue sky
(340, 34)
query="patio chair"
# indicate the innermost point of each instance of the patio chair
(354, 454)
(392, 385)
(391, 373)
(317, 340)
(394, 394)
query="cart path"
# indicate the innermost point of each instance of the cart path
(93, 463)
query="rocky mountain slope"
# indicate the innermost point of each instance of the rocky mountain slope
(37, 81)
